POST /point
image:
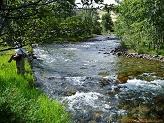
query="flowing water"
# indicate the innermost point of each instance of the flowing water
(98, 87)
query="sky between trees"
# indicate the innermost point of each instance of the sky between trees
(105, 1)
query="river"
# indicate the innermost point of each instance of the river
(98, 87)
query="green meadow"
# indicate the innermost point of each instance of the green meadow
(21, 102)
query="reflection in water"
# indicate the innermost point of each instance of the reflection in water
(97, 86)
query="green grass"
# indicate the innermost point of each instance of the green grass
(20, 102)
(144, 49)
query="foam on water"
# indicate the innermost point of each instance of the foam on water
(83, 76)
(76, 80)
(136, 84)
(86, 46)
(70, 48)
(141, 86)
(44, 55)
(82, 101)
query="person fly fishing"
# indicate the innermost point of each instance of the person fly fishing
(19, 56)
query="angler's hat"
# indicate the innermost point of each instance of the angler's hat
(18, 51)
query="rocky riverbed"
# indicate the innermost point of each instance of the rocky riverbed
(123, 52)
(97, 86)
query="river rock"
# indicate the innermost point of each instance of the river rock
(105, 82)
(119, 51)
(92, 121)
(69, 93)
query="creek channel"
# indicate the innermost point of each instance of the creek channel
(98, 87)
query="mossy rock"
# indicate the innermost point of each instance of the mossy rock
(125, 107)
(160, 73)
(121, 75)
(133, 73)
(149, 79)
(103, 74)
(69, 93)
(92, 121)
(124, 80)
(97, 115)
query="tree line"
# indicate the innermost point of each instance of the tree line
(35, 21)
(140, 25)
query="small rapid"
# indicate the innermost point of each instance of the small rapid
(97, 86)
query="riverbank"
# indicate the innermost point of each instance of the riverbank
(119, 51)
(21, 102)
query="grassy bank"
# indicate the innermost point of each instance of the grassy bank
(142, 49)
(20, 102)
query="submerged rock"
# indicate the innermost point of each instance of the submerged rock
(105, 82)
(69, 93)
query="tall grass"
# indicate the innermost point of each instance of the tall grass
(20, 102)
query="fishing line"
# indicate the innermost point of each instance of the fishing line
(46, 49)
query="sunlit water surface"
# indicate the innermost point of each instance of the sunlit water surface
(98, 87)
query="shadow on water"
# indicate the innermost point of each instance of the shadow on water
(98, 87)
